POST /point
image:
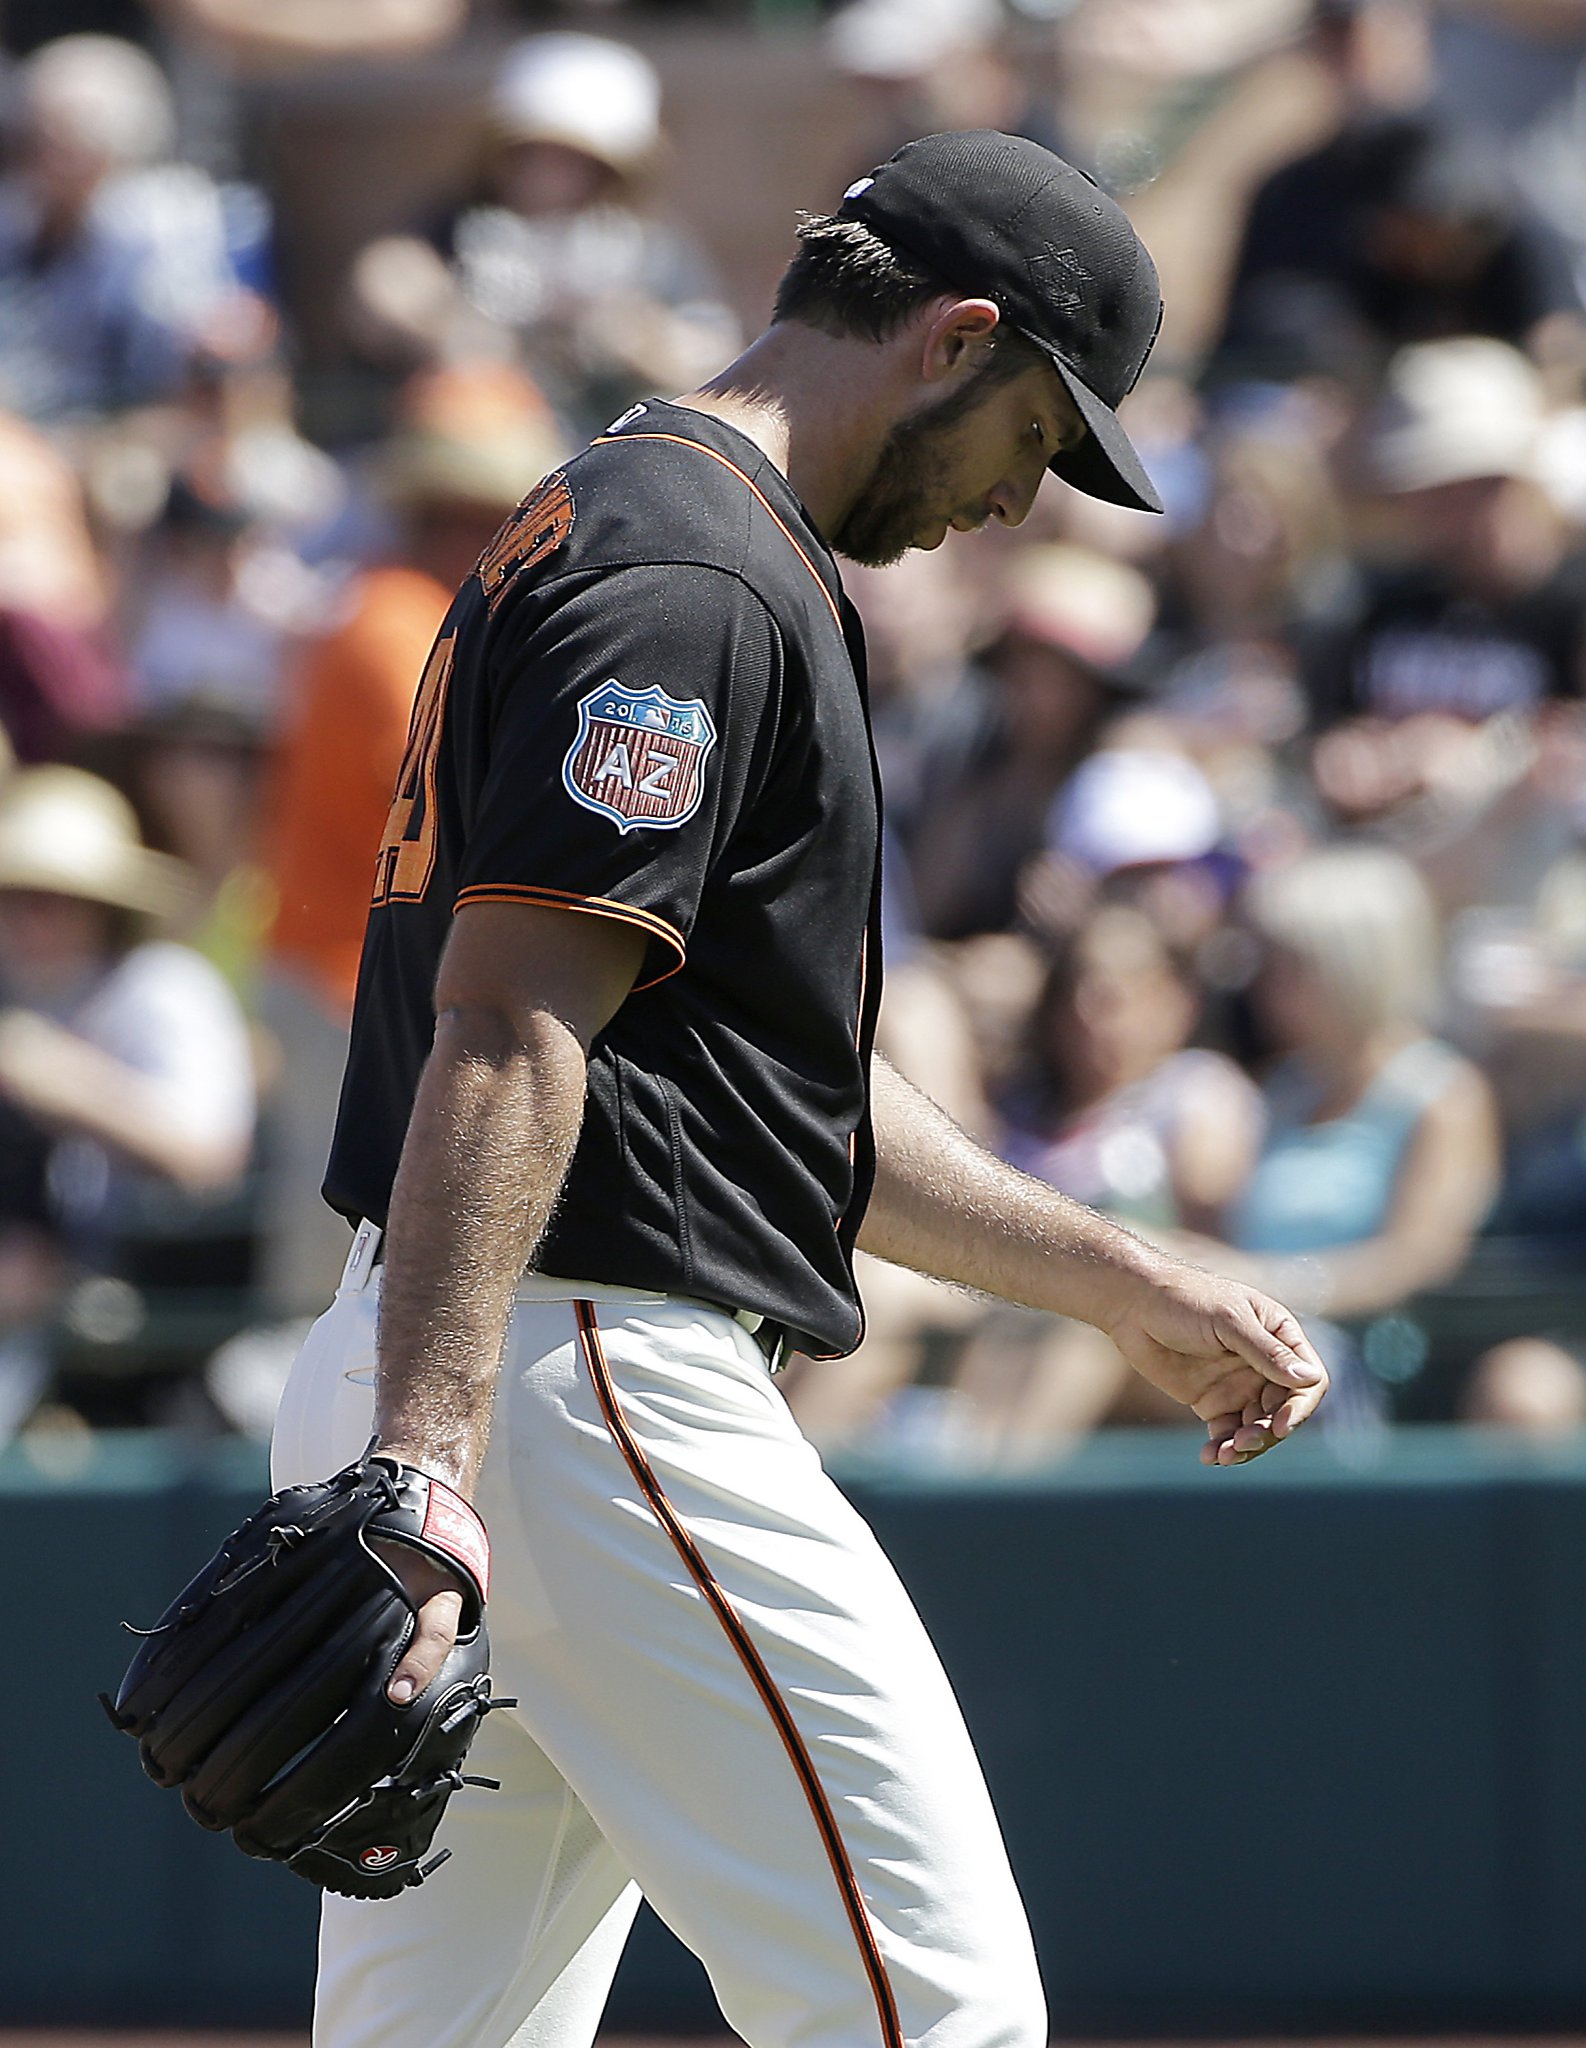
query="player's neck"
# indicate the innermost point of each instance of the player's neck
(819, 408)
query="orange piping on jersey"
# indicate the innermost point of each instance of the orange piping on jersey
(754, 1664)
(593, 906)
(787, 535)
(859, 1033)
(821, 1357)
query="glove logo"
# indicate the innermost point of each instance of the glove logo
(381, 1858)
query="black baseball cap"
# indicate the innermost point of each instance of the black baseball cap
(999, 217)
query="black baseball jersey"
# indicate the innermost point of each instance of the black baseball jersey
(647, 703)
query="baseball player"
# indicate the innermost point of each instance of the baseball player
(612, 1129)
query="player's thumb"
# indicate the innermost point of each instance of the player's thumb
(1279, 1349)
(431, 1646)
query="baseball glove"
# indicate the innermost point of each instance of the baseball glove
(261, 1689)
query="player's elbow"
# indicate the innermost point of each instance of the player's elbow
(482, 1034)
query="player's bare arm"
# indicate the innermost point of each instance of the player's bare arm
(521, 993)
(945, 1206)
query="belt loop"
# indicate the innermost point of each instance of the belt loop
(361, 1259)
(771, 1338)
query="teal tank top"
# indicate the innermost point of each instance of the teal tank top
(1318, 1185)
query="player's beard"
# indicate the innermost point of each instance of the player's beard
(910, 487)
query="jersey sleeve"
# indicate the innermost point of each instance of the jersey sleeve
(632, 718)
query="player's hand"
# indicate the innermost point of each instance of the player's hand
(1237, 1358)
(435, 1592)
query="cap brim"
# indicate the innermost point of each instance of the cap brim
(1105, 464)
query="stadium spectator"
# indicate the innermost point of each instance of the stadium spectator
(1520, 991)
(195, 769)
(49, 565)
(1476, 618)
(271, 34)
(562, 255)
(931, 702)
(1380, 1154)
(924, 66)
(112, 257)
(1265, 562)
(1402, 227)
(1119, 1110)
(1136, 823)
(125, 1067)
(198, 621)
(1077, 624)
(58, 686)
(1116, 1107)
(1517, 73)
(1528, 1384)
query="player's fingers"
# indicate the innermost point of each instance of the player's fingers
(1236, 1439)
(438, 1604)
(1259, 1433)
(431, 1646)
(1267, 1337)
(1298, 1408)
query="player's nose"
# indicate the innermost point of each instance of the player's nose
(1010, 500)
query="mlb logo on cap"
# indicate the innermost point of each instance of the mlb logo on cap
(639, 756)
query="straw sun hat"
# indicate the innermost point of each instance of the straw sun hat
(69, 834)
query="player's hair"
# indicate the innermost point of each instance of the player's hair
(845, 281)
(1361, 920)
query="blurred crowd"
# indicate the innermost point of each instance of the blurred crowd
(1236, 872)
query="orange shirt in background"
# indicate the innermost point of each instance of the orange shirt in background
(346, 727)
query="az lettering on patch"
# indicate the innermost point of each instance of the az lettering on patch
(638, 757)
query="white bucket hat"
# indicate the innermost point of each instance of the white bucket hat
(70, 834)
(103, 91)
(1453, 411)
(593, 95)
(902, 39)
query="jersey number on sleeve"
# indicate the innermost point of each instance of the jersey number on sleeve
(407, 854)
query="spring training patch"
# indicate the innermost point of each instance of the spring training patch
(639, 756)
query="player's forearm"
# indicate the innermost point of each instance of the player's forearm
(945, 1206)
(493, 1130)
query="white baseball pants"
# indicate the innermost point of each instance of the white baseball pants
(725, 1700)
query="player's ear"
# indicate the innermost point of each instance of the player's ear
(958, 333)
